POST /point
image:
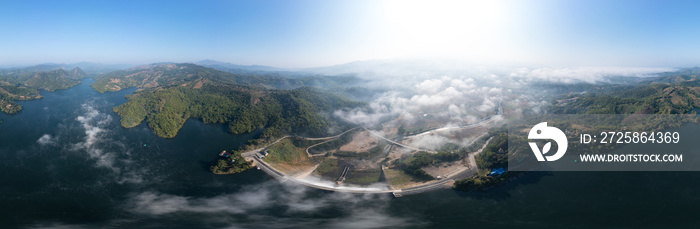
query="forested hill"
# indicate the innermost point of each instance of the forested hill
(169, 74)
(23, 84)
(172, 93)
(670, 93)
(53, 80)
(49, 80)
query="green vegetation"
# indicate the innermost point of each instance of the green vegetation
(335, 143)
(158, 75)
(285, 151)
(411, 130)
(364, 177)
(359, 155)
(370, 153)
(331, 168)
(23, 84)
(413, 165)
(672, 93)
(169, 94)
(176, 92)
(656, 98)
(48, 80)
(328, 168)
(494, 154)
(483, 182)
(233, 164)
(53, 80)
(398, 178)
(242, 109)
(303, 143)
(8, 106)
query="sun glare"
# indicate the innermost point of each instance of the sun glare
(443, 28)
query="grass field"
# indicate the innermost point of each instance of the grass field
(329, 169)
(398, 178)
(285, 151)
(364, 177)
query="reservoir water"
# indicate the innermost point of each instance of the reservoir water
(65, 162)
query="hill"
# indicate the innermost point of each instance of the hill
(158, 75)
(23, 83)
(172, 93)
(52, 80)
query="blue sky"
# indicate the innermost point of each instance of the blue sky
(320, 33)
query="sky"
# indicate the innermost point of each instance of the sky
(303, 33)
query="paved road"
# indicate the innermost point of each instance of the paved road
(440, 184)
(397, 143)
(490, 119)
(284, 178)
(472, 162)
(269, 170)
(314, 145)
(444, 183)
(330, 137)
(473, 168)
(251, 153)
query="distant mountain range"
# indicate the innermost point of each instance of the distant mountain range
(223, 65)
(169, 74)
(91, 69)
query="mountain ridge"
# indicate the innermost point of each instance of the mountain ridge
(24, 84)
(170, 93)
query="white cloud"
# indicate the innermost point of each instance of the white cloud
(46, 139)
(487, 105)
(584, 74)
(430, 86)
(254, 201)
(94, 125)
(471, 95)
(463, 84)
(92, 122)
(451, 96)
(429, 141)
(495, 91)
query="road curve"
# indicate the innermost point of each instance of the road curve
(397, 143)
(440, 184)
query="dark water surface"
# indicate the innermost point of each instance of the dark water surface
(65, 162)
